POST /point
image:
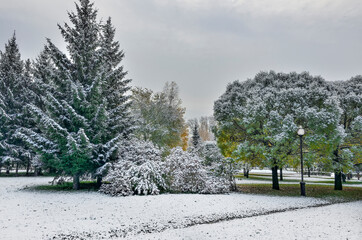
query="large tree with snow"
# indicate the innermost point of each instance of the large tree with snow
(15, 93)
(263, 114)
(83, 111)
(349, 94)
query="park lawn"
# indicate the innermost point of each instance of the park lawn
(23, 174)
(312, 190)
(268, 177)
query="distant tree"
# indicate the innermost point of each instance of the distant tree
(196, 139)
(160, 116)
(205, 129)
(83, 112)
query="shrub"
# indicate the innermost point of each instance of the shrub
(138, 170)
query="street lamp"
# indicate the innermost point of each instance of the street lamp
(302, 183)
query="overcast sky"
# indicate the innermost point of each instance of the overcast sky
(204, 44)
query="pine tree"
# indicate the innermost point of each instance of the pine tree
(15, 93)
(196, 139)
(83, 113)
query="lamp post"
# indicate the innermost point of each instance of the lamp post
(302, 183)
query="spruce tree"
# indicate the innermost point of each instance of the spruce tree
(14, 94)
(83, 113)
(196, 139)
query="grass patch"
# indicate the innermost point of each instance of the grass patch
(317, 191)
(68, 186)
(23, 174)
(257, 177)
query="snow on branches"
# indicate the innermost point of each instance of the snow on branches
(139, 170)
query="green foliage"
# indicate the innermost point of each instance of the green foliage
(160, 116)
(263, 115)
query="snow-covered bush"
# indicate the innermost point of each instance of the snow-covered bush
(138, 170)
(185, 173)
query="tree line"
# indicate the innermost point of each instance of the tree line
(70, 113)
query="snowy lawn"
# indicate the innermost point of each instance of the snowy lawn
(27, 214)
(338, 221)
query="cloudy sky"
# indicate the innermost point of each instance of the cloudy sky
(204, 44)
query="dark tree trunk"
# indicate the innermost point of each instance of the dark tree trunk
(27, 167)
(1, 165)
(76, 182)
(275, 177)
(281, 174)
(246, 172)
(338, 180)
(35, 171)
(343, 177)
(308, 171)
(8, 170)
(337, 173)
(17, 169)
(99, 181)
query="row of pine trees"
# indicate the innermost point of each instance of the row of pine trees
(66, 110)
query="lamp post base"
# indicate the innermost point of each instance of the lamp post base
(302, 188)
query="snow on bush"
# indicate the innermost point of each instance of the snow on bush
(138, 170)
(185, 173)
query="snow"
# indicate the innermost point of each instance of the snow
(28, 214)
(338, 221)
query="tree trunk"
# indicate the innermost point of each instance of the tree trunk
(1, 165)
(7, 170)
(17, 169)
(281, 174)
(338, 180)
(28, 167)
(76, 181)
(275, 177)
(308, 171)
(343, 177)
(246, 172)
(99, 181)
(35, 171)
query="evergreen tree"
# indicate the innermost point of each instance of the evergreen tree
(15, 93)
(196, 139)
(83, 113)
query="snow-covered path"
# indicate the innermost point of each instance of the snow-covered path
(29, 214)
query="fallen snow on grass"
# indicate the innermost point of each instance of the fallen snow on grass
(27, 214)
(338, 221)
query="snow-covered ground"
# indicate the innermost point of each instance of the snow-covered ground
(338, 221)
(26, 214)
